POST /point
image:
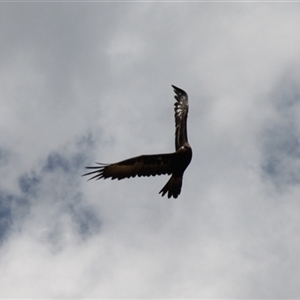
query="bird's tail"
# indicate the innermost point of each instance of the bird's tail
(172, 187)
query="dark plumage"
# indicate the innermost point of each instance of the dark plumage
(151, 165)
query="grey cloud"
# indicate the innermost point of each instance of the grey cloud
(281, 146)
(86, 82)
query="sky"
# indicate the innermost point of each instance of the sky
(91, 82)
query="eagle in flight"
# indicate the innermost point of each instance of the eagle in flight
(158, 164)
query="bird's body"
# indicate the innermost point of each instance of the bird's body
(158, 164)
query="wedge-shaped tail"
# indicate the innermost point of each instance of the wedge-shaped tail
(172, 187)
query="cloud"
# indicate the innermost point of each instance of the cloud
(280, 137)
(86, 82)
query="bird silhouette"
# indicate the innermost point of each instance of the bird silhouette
(156, 164)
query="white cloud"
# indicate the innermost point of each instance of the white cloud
(85, 82)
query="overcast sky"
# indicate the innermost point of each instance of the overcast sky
(86, 82)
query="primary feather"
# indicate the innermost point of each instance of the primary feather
(144, 165)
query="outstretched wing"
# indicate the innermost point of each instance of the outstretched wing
(144, 165)
(181, 112)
